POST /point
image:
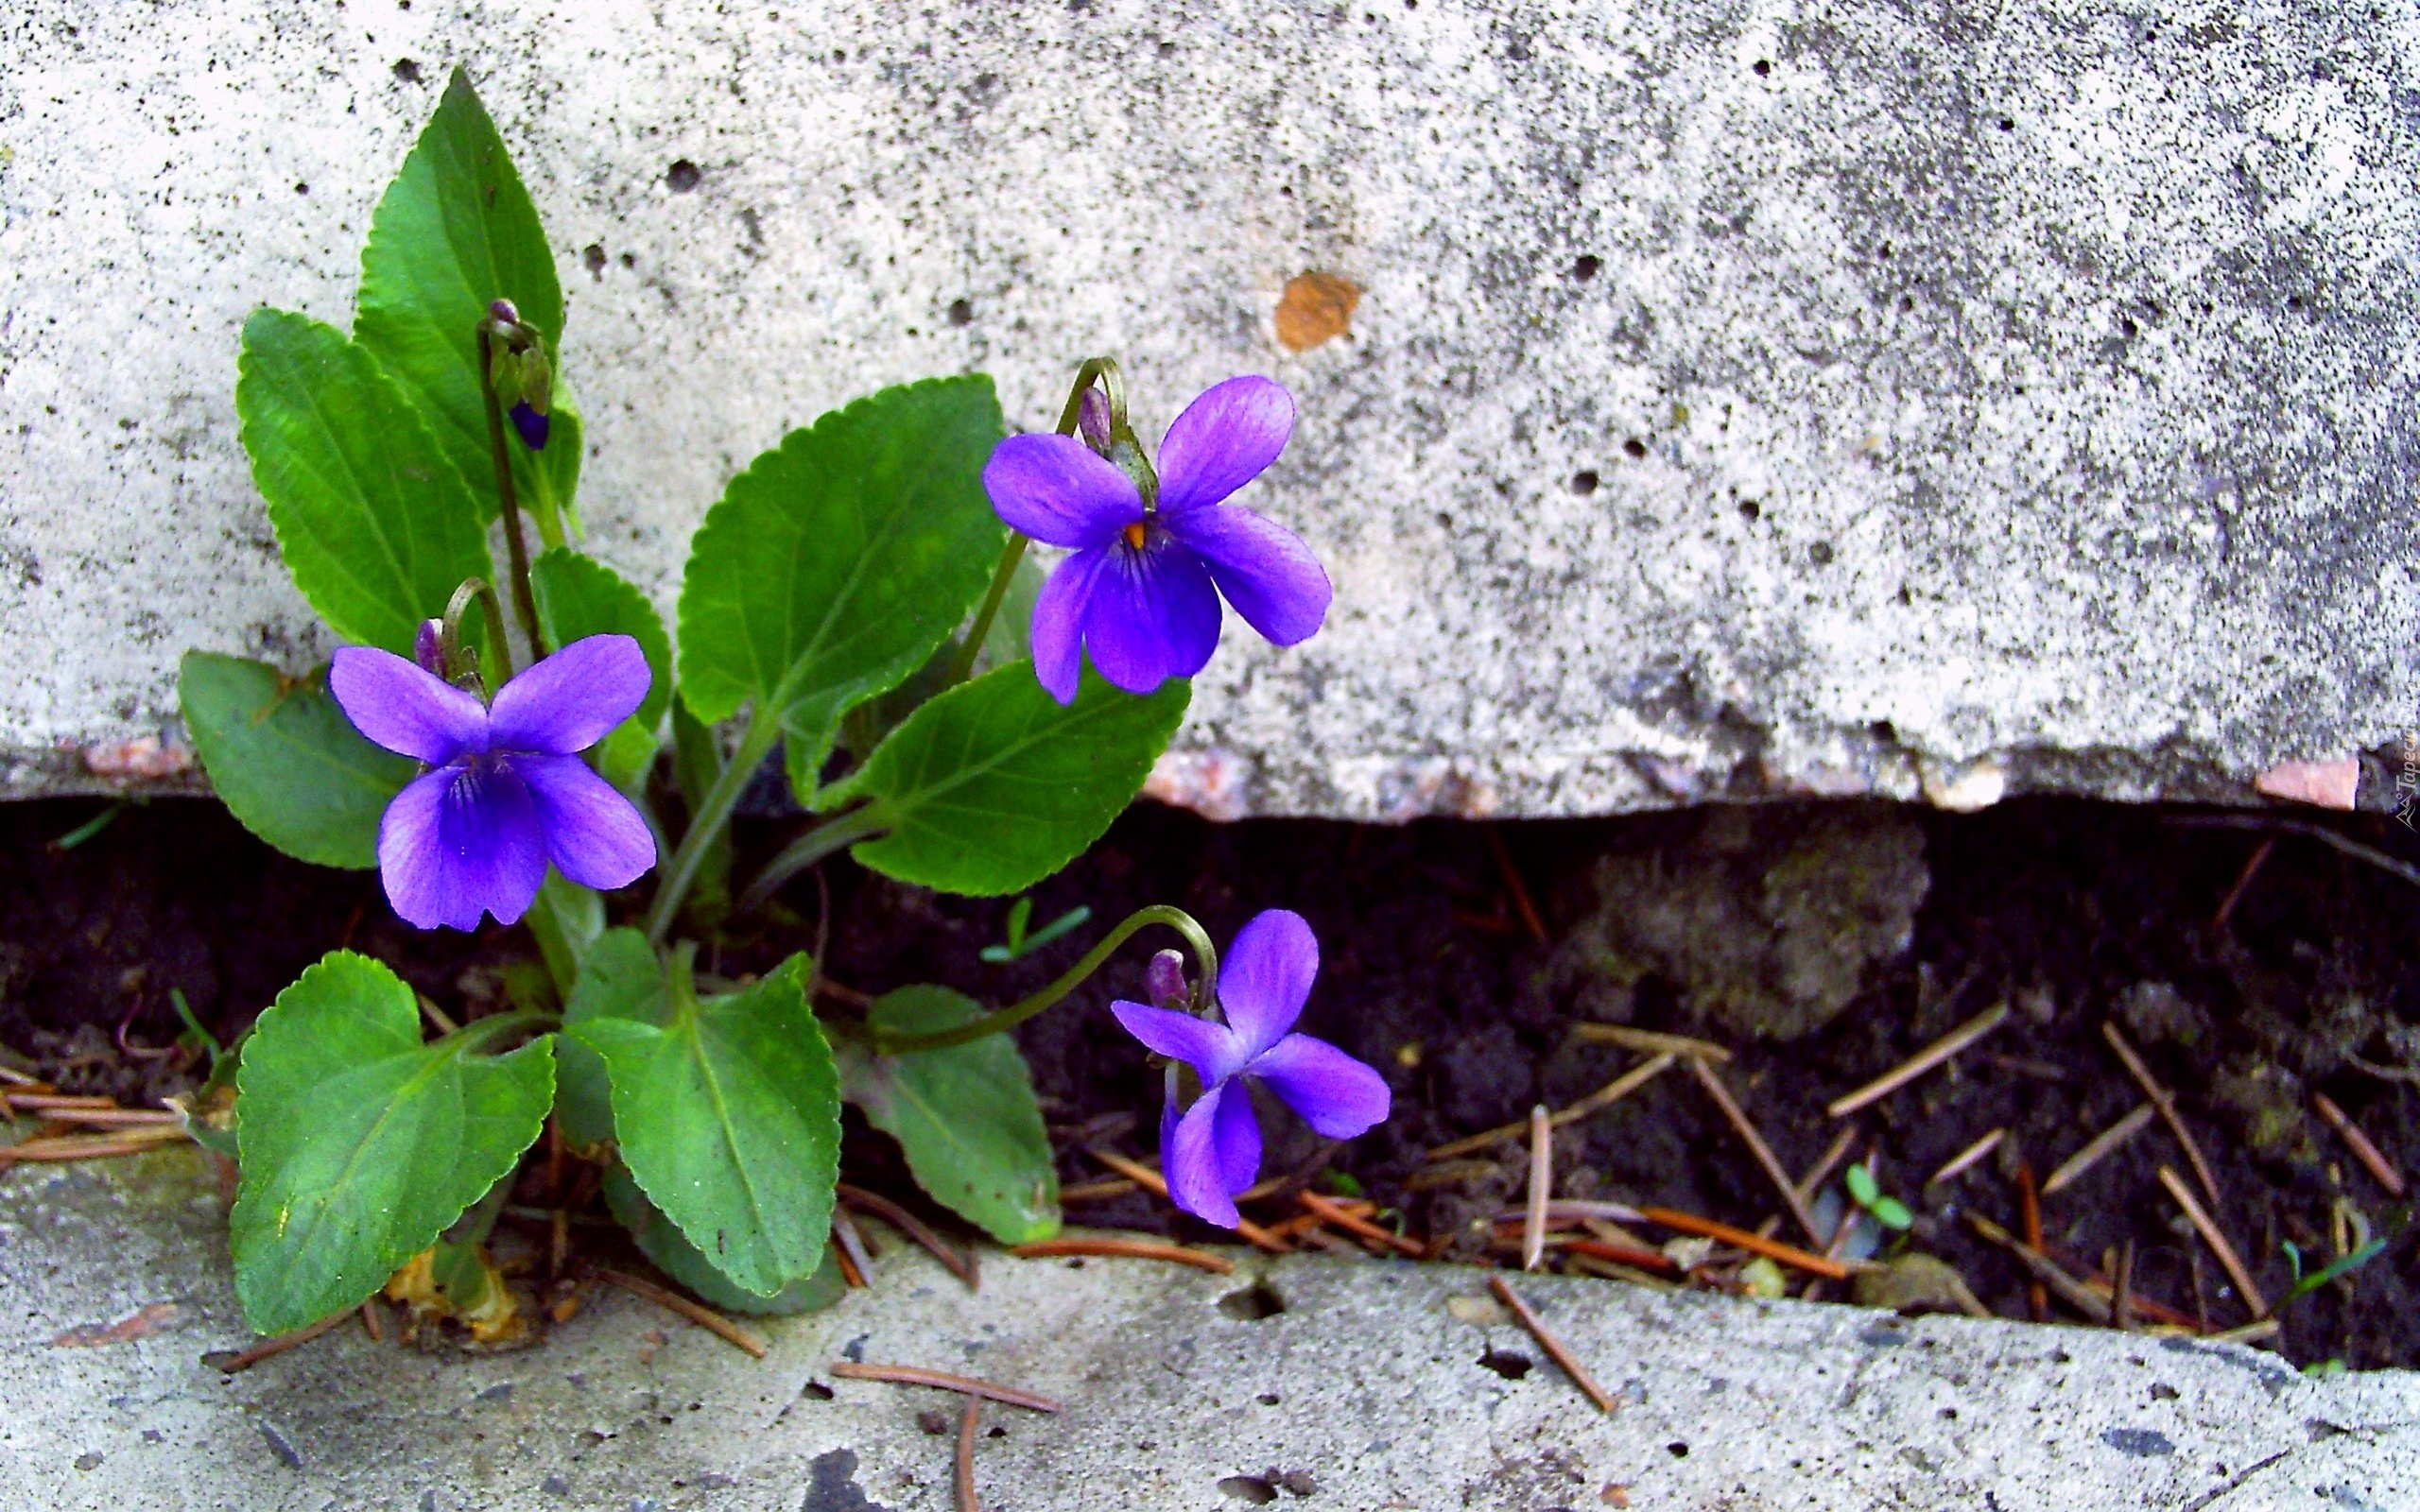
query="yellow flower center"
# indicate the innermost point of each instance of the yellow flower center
(1134, 535)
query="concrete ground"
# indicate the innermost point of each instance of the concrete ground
(1379, 1386)
(1742, 397)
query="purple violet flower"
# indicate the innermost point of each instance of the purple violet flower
(531, 426)
(1213, 1151)
(1142, 587)
(507, 792)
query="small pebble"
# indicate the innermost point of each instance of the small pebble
(555, 1485)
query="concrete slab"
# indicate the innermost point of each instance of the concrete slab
(1366, 1392)
(1742, 395)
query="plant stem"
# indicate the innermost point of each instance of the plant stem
(523, 602)
(707, 822)
(478, 1032)
(1206, 992)
(963, 662)
(833, 834)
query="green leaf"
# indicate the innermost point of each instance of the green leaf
(662, 1243)
(1863, 1187)
(580, 597)
(453, 232)
(287, 761)
(993, 786)
(729, 1117)
(375, 522)
(697, 764)
(1892, 1213)
(565, 920)
(620, 977)
(965, 1117)
(834, 565)
(360, 1143)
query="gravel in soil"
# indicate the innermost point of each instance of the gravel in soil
(1823, 943)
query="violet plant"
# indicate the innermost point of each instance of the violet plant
(526, 747)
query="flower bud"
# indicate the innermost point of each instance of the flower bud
(503, 313)
(1091, 420)
(533, 426)
(428, 647)
(1164, 979)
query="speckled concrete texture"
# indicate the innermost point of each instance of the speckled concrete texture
(1367, 1391)
(1744, 396)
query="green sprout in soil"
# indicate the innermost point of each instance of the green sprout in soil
(1867, 1192)
(1021, 944)
(2334, 1270)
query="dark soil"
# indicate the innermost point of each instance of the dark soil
(2075, 913)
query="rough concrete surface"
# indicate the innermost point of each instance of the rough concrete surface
(1743, 395)
(1367, 1391)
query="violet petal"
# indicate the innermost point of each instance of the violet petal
(570, 700)
(1335, 1094)
(1225, 438)
(592, 834)
(397, 705)
(1207, 1045)
(460, 841)
(1264, 569)
(531, 426)
(1266, 976)
(1235, 1133)
(1196, 1182)
(1054, 488)
(1058, 630)
(1154, 615)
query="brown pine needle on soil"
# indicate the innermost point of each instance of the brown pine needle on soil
(1764, 1152)
(1553, 1345)
(2252, 1333)
(2165, 1102)
(850, 1276)
(1689, 1223)
(1921, 1061)
(1813, 1181)
(268, 1348)
(1613, 1091)
(1152, 1182)
(962, 1266)
(1650, 1041)
(91, 1147)
(2208, 1229)
(2075, 1165)
(856, 1265)
(2029, 1202)
(1359, 1228)
(56, 1102)
(2043, 1269)
(2373, 1159)
(1126, 1249)
(1514, 884)
(968, 1421)
(914, 1375)
(705, 1318)
(1534, 1222)
(1117, 1186)
(1967, 1157)
(1622, 1254)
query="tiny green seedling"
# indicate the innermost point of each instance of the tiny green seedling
(1867, 1192)
(1021, 944)
(90, 827)
(195, 1034)
(2334, 1270)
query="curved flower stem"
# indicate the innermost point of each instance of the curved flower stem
(1205, 992)
(712, 813)
(450, 635)
(1103, 370)
(835, 833)
(523, 602)
(963, 661)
